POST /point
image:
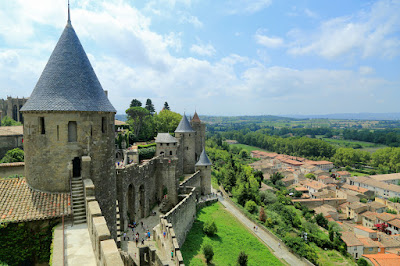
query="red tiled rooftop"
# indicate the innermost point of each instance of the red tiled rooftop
(366, 229)
(395, 222)
(18, 202)
(383, 259)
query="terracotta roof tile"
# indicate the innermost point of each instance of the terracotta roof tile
(18, 202)
(383, 259)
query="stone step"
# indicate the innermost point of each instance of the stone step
(80, 221)
(79, 207)
(78, 196)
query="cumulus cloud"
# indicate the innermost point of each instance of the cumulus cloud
(270, 42)
(204, 50)
(366, 70)
(370, 33)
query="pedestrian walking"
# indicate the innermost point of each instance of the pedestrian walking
(142, 241)
(172, 254)
(124, 236)
(279, 245)
(148, 235)
(164, 234)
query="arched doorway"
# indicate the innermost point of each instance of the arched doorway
(142, 202)
(131, 204)
(76, 167)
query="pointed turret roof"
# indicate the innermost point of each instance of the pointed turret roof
(68, 82)
(203, 160)
(196, 118)
(184, 126)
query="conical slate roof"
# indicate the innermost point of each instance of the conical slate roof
(68, 82)
(184, 126)
(196, 118)
(203, 160)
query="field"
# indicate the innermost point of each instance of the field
(365, 146)
(232, 237)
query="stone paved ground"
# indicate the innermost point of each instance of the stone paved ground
(78, 247)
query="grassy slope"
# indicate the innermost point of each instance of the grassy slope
(232, 237)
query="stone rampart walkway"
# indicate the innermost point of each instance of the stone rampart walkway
(278, 250)
(78, 247)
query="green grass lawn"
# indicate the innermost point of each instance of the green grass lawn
(332, 258)
(354, 173)
(232, 237)
(366, 146)
(249, 148)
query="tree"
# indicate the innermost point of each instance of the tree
(262, 217)
(210, 228)
(150, 106)
(276, 177)
(310, 176)
(208, 252)
(242, 258)
(13, 156)
(250, 206)
(321, 220)
(136, 103)
(8, 121)
(136, 118)
(362, 262)
(166, 106)
(167, 121)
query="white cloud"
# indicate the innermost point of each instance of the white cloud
(371, 33)
(366, 70)
(247, 6)
(204, 50)
(270, 42)
(186, 18)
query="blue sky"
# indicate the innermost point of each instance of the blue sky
(234, 57)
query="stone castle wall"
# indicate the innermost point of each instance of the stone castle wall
(314, 203)
(10, 142)
(141, 187)
(11, 107)
(187, 151)
(200, 137)
(182, 216)
(193, 181)
(9, 169)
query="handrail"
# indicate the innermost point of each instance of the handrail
(72, 201)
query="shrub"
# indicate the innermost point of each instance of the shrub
(363, 200)
(12, 156)
(208, 252)
(242, 258)
(362, 262)
(251, 206)
(321, 220)
(146, 153)
(210, 228)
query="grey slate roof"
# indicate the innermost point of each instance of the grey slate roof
(203, 160)
(184, 126)
(165, 138)
(68, 82)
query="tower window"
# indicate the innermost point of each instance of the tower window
(58, 132)
(103, 124)
(42, 126)
(167, 144)
(72, 131)
(170, 152)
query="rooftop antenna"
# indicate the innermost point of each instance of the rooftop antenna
(69, 17)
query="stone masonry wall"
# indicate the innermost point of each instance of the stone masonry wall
(140, 187)
(182, 216)
(10, 142)
(314, 203)
(9, 169)
(104, 246)
(193, 181)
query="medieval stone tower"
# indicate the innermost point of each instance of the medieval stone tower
(68, 117)
(204, 166)
(186, 136)
(199, 135)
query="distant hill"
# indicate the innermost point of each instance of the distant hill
(247, 118)
(352, 116)
(121, 117)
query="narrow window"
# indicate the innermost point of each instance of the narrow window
(170, 153)
(72, 131)
(103, 124)
(167, 144)
(42, 127)
(58, 132)
(91, 131)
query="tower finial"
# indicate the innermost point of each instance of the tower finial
(69, 17)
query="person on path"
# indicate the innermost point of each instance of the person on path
(172, 254)
(148, 235)
(124, 236)
(142, 241)
(279, 245)
(164, 234)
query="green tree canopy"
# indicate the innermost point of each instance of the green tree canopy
(136, 118)
(13, 156)
(150, 106)
(136, 103)
(166, 106)
(8, 121)
(167, 121)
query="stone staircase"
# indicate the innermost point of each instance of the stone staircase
(78, 200)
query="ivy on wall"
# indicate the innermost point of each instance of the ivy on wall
(26, 243)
